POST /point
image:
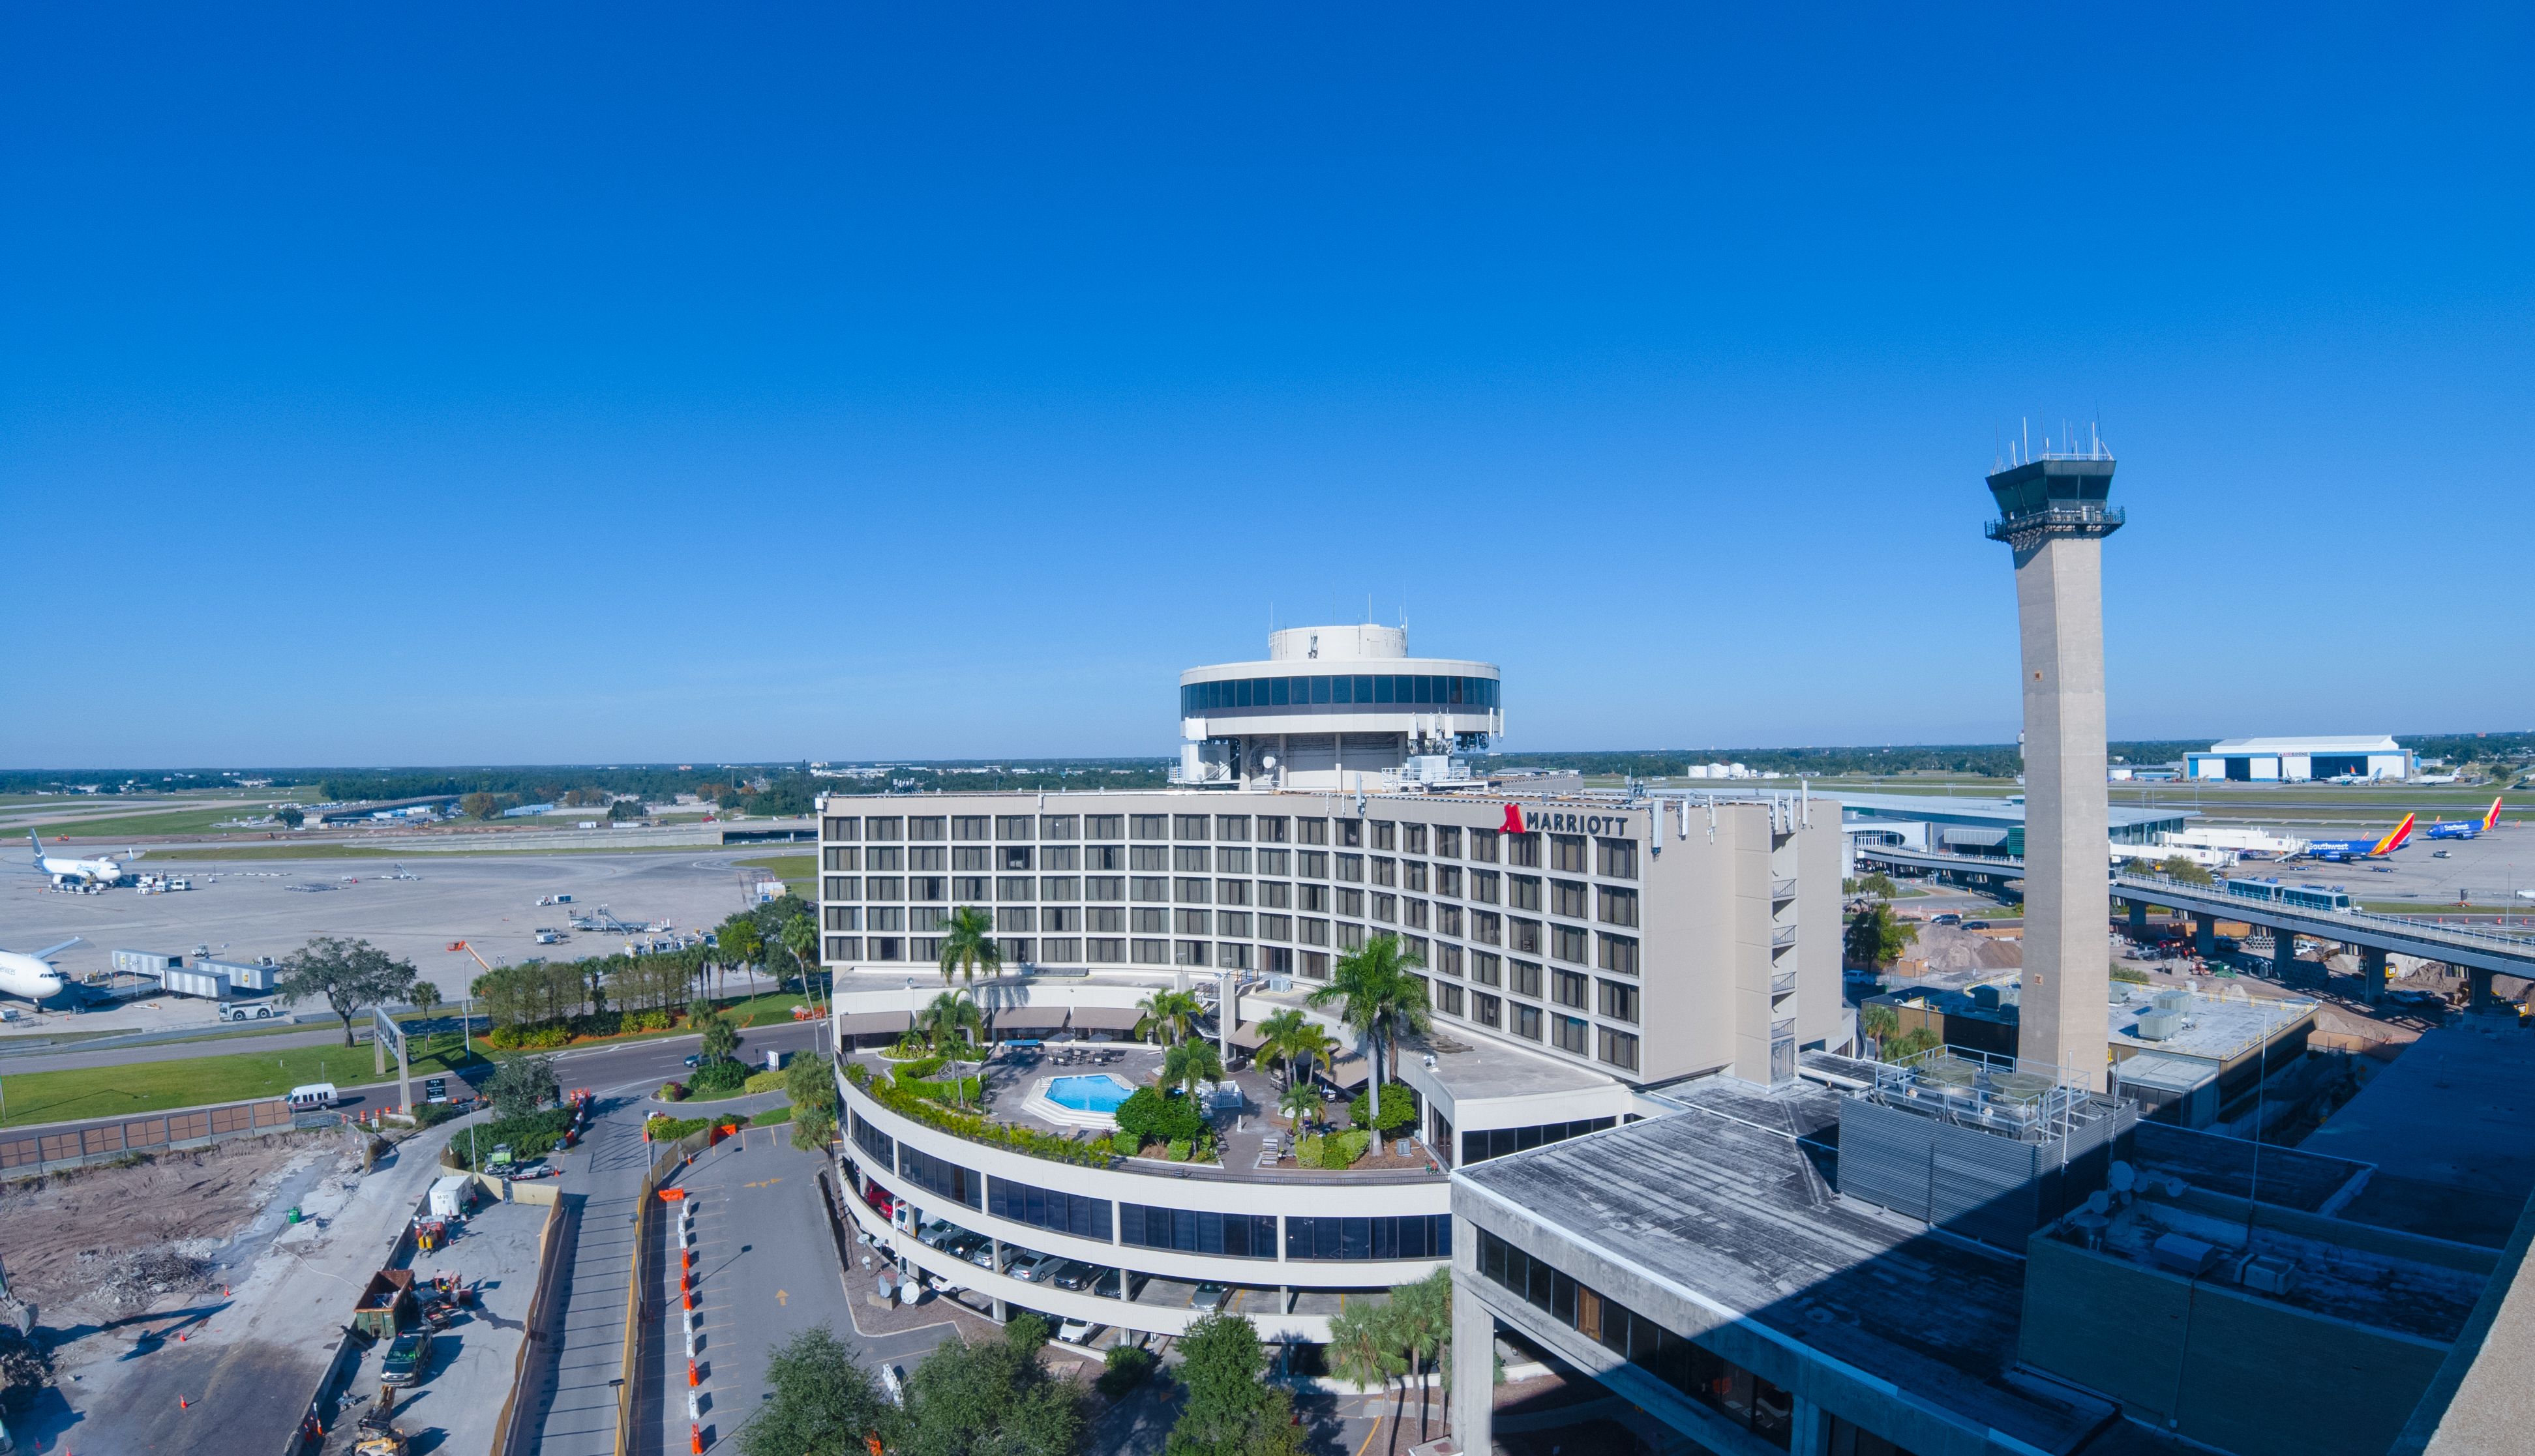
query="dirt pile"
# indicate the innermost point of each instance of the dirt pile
(131, 1283)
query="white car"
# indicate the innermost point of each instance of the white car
(1073, 1331)
(892, 1383)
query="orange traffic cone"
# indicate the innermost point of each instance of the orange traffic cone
(695, 1439)
(692, 1379)
(183, 1403)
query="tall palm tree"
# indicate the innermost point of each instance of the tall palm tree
(1277, 1034)
(1172, 1012)
(1361, 1350)
(968, 945)
(1308, 1045)
(1191, 1063)
(1298, 1102)
(1378, 997)
(946, 1017)
(1422, 1325)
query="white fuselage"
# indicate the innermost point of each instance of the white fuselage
(90, 872)
(23, 975)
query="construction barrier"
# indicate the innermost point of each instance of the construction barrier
(641, 1308)
(511, 1438)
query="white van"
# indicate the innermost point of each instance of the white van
(313, 1098)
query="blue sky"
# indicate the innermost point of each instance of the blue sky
(652, 383)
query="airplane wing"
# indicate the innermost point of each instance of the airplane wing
(50, 951)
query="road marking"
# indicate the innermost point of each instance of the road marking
(783, 1297)
(1369, 1435)
(761, 1183)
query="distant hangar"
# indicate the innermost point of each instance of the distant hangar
(2298, 760)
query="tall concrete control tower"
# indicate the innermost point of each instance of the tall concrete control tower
(2052, 514)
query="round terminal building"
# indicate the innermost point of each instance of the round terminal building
(1335, 707)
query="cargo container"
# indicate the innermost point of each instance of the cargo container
(147, 962)
(243, 975)
(453, 1196)
(182, 982)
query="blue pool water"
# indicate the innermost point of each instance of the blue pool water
(1096, 1093)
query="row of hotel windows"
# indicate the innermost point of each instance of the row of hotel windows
(1567, 852)
(1574, 944)
(1688, 1367)
(1573, 898)
(1241, 1236)
(1338, 691)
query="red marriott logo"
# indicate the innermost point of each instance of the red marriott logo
(1513, 820)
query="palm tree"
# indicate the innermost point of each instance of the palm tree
(1298, 1102)
(1361, 1350)
(1189, 1063)
(1422, 1324)
(1378, 998)
(949, 1015)
(1310, 1043)
(968, 945)
(800, 936)
(1276, 1035)
(1172, 1012)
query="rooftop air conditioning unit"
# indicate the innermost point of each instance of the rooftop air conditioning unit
(2173, 1001)
(2269, 1273)
(2159, 1026)
(2184, 1254)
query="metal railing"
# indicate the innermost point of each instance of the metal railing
(2052, 519)
(2186, 892)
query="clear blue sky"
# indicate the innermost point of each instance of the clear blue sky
(607, 382)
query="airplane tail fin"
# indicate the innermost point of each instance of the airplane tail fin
(38, 842)
(2394, 838)
(2491, 821)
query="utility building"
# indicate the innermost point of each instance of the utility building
(2298, 759)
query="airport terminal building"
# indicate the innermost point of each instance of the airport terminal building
(1581, 954)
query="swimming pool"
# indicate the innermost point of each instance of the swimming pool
(1098, 1092)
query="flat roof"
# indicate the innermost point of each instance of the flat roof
(1471, 1068)
(2217, 1028)
(1941, 809)
(2450, 1125)
(2382, 743)
(1732, 1201)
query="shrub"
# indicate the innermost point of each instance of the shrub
(1127, 1368)
(919, 1068)
(717, 1078)
(1154, 1116)
(764, 1081)
(1398, 1107)
(1177, 1150)
(650, 1021)
(2132, 974)
(1307, 1150)
(966, 1092)
(1341, 1149)
(662, 1129)
(530, 1136)
(673, 1091)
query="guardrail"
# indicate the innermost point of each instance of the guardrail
(2424, 929)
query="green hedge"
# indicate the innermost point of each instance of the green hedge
(977, 1129)
(1337, 1151)
(531, 1136)
(1398, 1107)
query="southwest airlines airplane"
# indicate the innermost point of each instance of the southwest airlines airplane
(2467, 828)
(2343, 851)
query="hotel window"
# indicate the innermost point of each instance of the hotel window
(1566, 1034)
(1015, 920)
(1230, 956)
(1189, 861)
(1483, 886)
(1523, 850)
(1046, 1208)
(1060, 888)
(842, 859)
(1569, 989)
(1106, 920)
(879, 827)
(884, 887)
(1273, 828)
(1232, 860)
(1386, 871)
(1277, 894)
(1448, 920)
(845, 918)
(1448, 960)
(1151, 859)
(1415, 876)
(1386, 834)
(1189, 953)
(1104, 826)
(1413, 914)
(1568, 943)
(1016, 887)
(1414, 1236)
(932, 887)
(1316, 898)
(1232, 826)
(1413, 840)
(1060, 918)
(1569, 898)
(1192, 891)
(1386, 908)
(1615, 859)
(1352, 833)
(1059, 857)
(1526, 978)
(1620, 1049)
(1153, 922)
(1522, 891)
(1153, 952)
(1104, 951)
(1017, 827)
(1312, 864)
(1232, 891)
(937, 1176)
(1526, 1022)
(1483, 845)
(972, 861)
(1060, 826)
(1187, 827)
(1619, 906)
(1105, 857)
(1149, 826)
(969, 889)
(841, 828)
(1012, 857)
(1351, 936)
(1151, 889)
(1351, 902)
(1414, 948)
(1316, 966)
(1485, 967)
(924, 950)
(1567, 853)
(1063, 950)
(1447, 880)
(1237, 1236)
(1620, 953)
(1522, 937)
(1191, 923)
(931, 858)
(1619, 1002)
(1484, 926)
(885, 859)
(1233, 922)
(1487, 1010)
(924, 827)
(1314, 931)
(886, 948)
(1351, 867)
(1447, 999)
(1275, 862)
(970, 825)
(1275, 927)
(1448, 840)
(842, 887)
(1311, 831)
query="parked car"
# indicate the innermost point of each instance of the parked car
(1949, 918)
(1975, 924)
(1029, 1263)
(939, 1234)
(1209, 1297)
(980, 1254)
(1075, 1331)
(408, 1359)
(1075, 1274)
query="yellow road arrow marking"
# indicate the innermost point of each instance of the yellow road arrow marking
(782, 1297)
(762, 1183)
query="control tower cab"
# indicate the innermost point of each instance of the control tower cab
(1335, 708)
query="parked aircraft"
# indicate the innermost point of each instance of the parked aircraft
(2343, 851)
(67, 871)
(33, 977)
(2467, 828)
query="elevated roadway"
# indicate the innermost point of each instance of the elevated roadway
(2479, 954)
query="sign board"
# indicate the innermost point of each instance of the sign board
(384, 1032)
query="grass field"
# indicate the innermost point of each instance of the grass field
(135, 1087)
(323, 850)
(787, 866)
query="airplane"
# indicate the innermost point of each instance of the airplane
(66, 871)
(2467, 828)
(33, 976)
(2343, 851)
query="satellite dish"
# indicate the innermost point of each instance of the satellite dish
(1267, 760)
(2121, 1177)
(2099, 1201)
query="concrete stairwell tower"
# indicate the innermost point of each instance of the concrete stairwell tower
(2052, 514)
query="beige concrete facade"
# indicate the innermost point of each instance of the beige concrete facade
(2060, 609)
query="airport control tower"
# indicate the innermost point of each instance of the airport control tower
(2052, 512)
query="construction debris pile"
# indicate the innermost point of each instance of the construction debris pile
(121, 1284)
